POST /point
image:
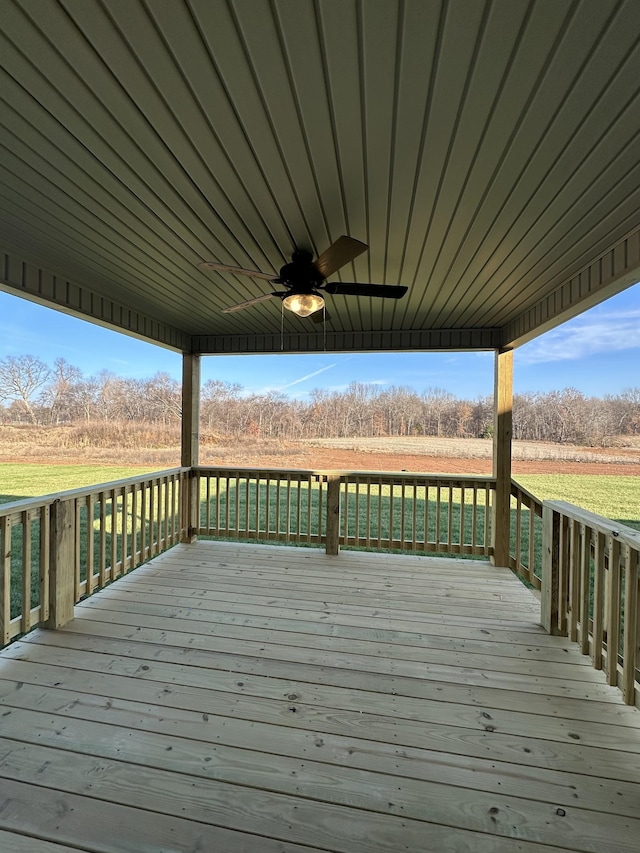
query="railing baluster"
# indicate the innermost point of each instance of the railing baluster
(631, 648)
(613, 611)
(26, 571)
(585, 565)
(90, 556)
(45, 555)
(488, 503)
(207, 503)
(143, 522)
(320, 506)
(574, 579)
(267, 507)
(77, 548)
(102, 553)
(427, 514)
(114, 534)
(474, 520)
(414, 516)
(134, 523)
(531, 558)
(598, 598)
(157, 489)
(228, 508)
(152, 514)
(5, 586)
(519, 532)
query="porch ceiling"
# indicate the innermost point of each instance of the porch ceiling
(488, 153)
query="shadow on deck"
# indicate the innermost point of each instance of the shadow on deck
(255, 698)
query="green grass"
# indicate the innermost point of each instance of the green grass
(242, 511)
(32, 480)
(36, 480)
(613, 497)
(617, 498)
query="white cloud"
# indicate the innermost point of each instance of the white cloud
(585, 336)
(307, 376)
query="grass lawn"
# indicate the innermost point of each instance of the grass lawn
(617, 498)
(34, 480)
(614, 497)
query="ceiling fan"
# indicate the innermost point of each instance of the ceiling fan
(304, 279)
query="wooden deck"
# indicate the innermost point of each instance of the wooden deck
(260, 698)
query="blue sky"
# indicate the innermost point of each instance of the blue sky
(597, 353)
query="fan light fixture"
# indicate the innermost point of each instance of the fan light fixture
(303, 304)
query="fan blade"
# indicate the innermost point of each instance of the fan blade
(249, 302)
(209, 265)
(338, 254)
(387, 291)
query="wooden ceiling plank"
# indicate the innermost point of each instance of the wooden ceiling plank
(453, 57)
(485, 151)
(339, 33)
(606, 276)
(623, 214)
(557, 151)
(23, 278)
(107, 247)
(122, 88)
(489, 65)
(272, 77)
(509, 145)
(89, 125)
(198, 66)
(205, 171)
(65, 171)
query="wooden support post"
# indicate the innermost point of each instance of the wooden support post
(333, 514)
(190, 443)
(503, 403)
(61, 563)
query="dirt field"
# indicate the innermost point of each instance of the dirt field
(370, 460)
(452, 456)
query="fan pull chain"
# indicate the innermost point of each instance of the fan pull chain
(324, 325)
(281, 325)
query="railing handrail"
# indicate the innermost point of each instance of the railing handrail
(400, 476)
(23, 504)
(622, 532)
(518, 487)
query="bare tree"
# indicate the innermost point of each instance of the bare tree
(58, 395)
(21, 377)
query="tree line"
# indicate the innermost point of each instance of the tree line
(36, 393)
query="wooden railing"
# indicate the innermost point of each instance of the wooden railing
(409, 512)
(525, 556)
(591, 590)
(269, 505)
(426, 513)
(59, 548)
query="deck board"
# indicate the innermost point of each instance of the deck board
(263, 698)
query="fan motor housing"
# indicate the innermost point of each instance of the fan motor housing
(301, 272)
